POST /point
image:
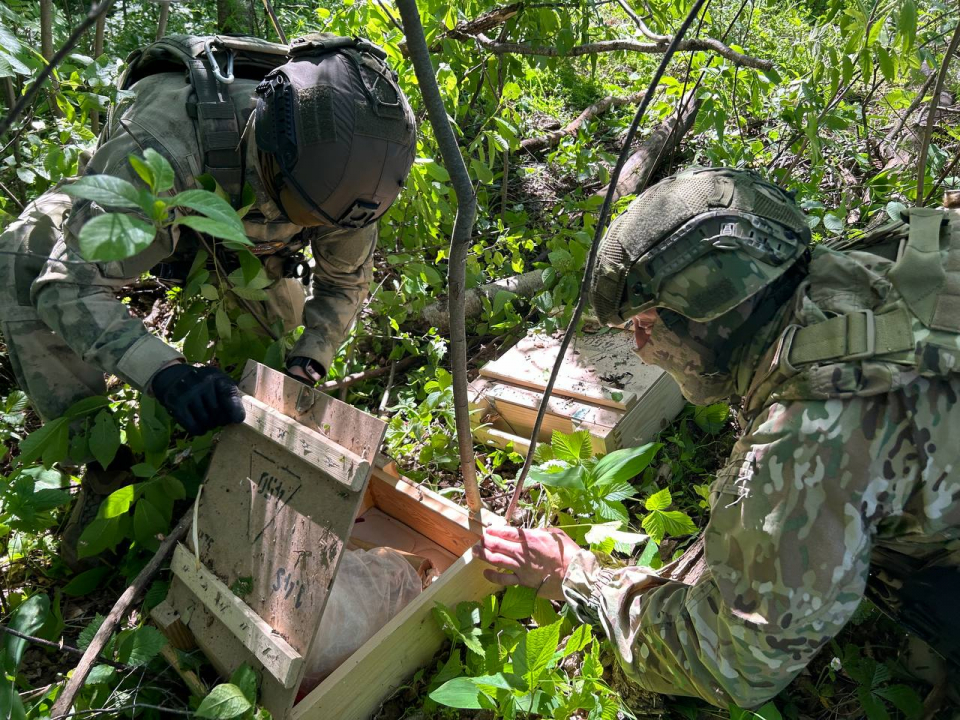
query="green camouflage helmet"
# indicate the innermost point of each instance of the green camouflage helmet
(699, 243)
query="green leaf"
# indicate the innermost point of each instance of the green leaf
(141, 646)
(114, 236)
(571, 477)
(33, 446)
(29, 617)
(101, 675)
(87, 634)
(518, 602)
(904, 698)
(105, 190)
(86, 582)
(573, 447)
(99, 535)
(622, 465)
(907, 24)
(117, 503)
(246, 679)
(895, 210)
(434, 170)
(833, 223)
(482, 171)
(224, 329)
(534, 653)
(196, 342)
(86, 406)
(148, 522)
(215, 228)
(209, 205)
(660, 500)
(461, 692)
(600, 532)
(104, 438)
(159, 170)
(578, 640)
(225, 701)
(712, 418)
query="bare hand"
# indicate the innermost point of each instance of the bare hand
(535, 558)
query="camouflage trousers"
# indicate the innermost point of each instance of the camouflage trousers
(52, 375)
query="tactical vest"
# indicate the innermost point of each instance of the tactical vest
(870, 318)
(213, 62)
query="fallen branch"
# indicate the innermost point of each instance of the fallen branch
(368, 374)
(604, 46)
(598, 108)
(468, 28)
(27, 98)
(932, 115)
(526, 286)
(460, 240)
(62, 647)
(92, 654)
(662, 141)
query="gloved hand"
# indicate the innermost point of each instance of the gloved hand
(199, 398)
(306, 370)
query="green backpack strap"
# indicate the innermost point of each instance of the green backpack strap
(854, 336)
(919, 275)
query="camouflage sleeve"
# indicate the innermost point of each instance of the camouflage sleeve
(343, 269)
(787, 550)
(78, 300)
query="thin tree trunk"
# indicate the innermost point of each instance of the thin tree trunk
(97, 52)
(932, 115)
(11, 93)
(46, 49)
(459, 241)
(235, 16)
(162, 21)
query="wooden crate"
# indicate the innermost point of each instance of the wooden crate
(277, 507)
(602, 388)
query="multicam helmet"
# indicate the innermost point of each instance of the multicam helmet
(698, 243)
(339, 132)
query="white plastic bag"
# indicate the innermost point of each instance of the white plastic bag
(370, 588)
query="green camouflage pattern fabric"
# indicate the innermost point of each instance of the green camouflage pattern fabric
(844, 483)
(60, 316)
(699, 243)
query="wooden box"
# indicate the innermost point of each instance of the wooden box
(278, 506)
(603, 388)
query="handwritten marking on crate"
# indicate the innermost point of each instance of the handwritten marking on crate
(278, 657)
(333, 460)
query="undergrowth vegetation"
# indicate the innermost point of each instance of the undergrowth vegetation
(830, 102)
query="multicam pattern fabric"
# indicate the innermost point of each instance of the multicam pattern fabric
(844, 483)
(60, 316)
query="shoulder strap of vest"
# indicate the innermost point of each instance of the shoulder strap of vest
(218, 122)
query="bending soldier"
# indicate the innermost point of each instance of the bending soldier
(846, 480)
(325, 138)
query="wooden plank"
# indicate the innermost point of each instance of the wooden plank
(599, 369)
(336, 462)
(443, 521)
(353, 429)
(356, 689)
(277, 656)
(660, 406)
(497, 393)
(167, 619)
(501, 439)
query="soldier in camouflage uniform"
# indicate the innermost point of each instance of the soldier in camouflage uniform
(846, 480)
(326, 141)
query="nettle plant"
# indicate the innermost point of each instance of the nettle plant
(586, 496)
(496, 663)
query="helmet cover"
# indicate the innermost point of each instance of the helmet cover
(699, 243)
(340, 131)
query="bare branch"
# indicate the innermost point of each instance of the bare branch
(638, 21)
(932, 115)
(65, 700)
(604, 46)
(459, 240)
(598, 108)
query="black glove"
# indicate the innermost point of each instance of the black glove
(199, 398)
(310, 367)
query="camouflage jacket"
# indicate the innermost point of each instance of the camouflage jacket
(78, 300)
(838, 462)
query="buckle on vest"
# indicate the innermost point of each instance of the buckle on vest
(855, 336)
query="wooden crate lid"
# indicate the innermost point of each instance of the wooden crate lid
(279, 501)
(599, 369)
